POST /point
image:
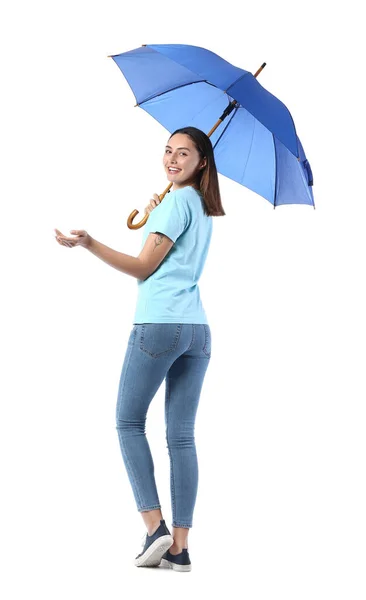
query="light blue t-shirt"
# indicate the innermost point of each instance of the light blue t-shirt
(171, 294)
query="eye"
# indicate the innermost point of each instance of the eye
(184, 153)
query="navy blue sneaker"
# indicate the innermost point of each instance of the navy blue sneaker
(178, 562)
(154, 546)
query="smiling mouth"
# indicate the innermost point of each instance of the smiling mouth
(174, 171)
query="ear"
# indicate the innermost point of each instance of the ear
(203, 166)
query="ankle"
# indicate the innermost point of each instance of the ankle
(152, 528)
(177, 548)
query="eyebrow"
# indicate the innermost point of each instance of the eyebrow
(181, 148)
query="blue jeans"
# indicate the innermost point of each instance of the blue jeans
(180, 354)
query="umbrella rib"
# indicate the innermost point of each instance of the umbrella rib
(206, 105)
(250, 149)
(172, 89)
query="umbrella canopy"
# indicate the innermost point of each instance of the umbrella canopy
(256, 145)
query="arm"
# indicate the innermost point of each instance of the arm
(122, 262)
(156, 247)
(153, 253)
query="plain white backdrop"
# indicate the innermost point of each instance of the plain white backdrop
(280, 428)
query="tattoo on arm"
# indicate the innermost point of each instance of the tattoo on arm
(158, 240)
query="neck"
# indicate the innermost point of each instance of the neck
(195, 186)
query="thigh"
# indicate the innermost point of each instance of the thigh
(149, 355)
(184, 383)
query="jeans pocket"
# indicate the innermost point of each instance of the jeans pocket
(159, 338)
(207, 347)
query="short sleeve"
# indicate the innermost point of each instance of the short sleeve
(171, 217)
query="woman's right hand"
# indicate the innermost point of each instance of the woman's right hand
(153, 204)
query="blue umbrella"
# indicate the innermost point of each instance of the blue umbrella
(254, 140)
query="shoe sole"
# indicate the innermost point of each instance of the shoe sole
(174, 566)
(152, 556)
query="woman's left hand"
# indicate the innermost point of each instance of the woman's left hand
(82, 238)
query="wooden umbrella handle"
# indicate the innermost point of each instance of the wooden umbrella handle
(226, 112)
(135, 212)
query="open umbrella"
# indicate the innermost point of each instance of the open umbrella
(254, 140)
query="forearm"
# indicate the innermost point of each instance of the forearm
(130, 265)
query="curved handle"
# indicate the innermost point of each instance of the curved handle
(135, 212)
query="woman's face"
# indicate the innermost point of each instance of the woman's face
(181, 154)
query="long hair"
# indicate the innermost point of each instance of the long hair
(207, 179)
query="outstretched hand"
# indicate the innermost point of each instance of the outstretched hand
(82, 238)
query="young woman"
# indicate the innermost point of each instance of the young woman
(170, 339)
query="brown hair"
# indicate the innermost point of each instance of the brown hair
(207, 180)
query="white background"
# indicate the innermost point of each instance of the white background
(280, 428)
